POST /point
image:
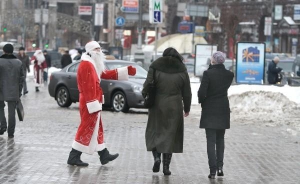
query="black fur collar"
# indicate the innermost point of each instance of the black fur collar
(168, 64)
(8, 56)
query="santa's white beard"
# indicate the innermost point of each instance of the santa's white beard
(99, 58)
(40, 58)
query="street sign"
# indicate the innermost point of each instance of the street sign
(84, 10)
(120, 21)
(130, 6)
(297, 12)
(155, 11)
(99, 9)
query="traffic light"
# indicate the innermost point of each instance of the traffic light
(46, 46)
(33, 45)
(4, 29)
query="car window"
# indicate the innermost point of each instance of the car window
(73, 68)
(286, 66)
(140, 72)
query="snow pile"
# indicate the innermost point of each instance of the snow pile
(261, 102)
(266, 109)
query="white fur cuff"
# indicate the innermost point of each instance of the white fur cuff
(122, 73)
(94, 106)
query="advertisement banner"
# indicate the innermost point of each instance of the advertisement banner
(130, 6)
(278, 12)
(297, 12)
(202, 59)
(99, 9)
(84, 10)
(250, 63)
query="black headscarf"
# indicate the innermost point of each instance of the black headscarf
(173, 53)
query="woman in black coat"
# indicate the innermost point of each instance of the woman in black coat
(215, 116)
(165, 126)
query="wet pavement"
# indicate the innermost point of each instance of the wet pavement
(38, 153)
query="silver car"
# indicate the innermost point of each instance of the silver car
(119, 95)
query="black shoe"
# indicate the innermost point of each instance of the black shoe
(157, 161)
(74, 158)
(212, 176)
(166, 163)
(105, 157)
(220, 172)
(11, 136)
(37, 89)
(25, 92)
(2, 130)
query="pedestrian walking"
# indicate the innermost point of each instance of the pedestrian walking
(24, 58)
(274, 75)
(65, 59)
(90, 136)
(164, 131)
(11, 84)
(48, 61)
(40, 66)
(215, 116)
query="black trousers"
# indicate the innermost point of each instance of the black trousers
(215, 148)
(11, 116)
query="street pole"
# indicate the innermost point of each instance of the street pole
(272, 15)
(156, 38)
(41, 28)
(140, 25)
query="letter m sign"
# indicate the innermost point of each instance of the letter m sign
(155, 11)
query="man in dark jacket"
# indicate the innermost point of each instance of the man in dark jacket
(25, 65)
(65, 59)
(48, 61)
(11, 84)
(274, 71)
(215, 116)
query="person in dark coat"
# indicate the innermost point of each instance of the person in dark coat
(11, 84)
(274, 71)
(65, 59)
(24, 58)
(215, 116)
(164, 132)
(48, 61)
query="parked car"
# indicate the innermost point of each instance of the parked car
(119, 95)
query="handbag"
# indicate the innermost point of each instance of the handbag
(150, 95)
(20, 110)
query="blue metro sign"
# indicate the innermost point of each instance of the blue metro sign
(157, 16)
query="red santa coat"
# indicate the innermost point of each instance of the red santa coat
(38, 70)
(89, 137)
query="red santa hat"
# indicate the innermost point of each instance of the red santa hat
(91, 46)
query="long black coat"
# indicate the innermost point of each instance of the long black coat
(173, 97)
(11, 78)
(212, 95)
(273, 72)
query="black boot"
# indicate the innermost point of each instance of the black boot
(74, 158)
(220, 171)
(105, 157)
(37, 89)
(157, 161)
(166, 163)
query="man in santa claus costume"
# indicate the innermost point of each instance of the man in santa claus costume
(40, 66)
(90, 136)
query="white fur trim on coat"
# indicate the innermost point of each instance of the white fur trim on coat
(94, 106)
(122, 73)
(93, 146)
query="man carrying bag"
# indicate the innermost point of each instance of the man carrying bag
(11, 84)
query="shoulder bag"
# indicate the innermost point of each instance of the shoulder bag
(20, 110)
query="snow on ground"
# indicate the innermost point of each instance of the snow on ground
(51, 69)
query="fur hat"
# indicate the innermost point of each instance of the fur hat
(91, 46)
(218, 57)
(8, 48)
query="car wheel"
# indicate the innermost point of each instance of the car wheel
(119, 102)
(63, 97)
